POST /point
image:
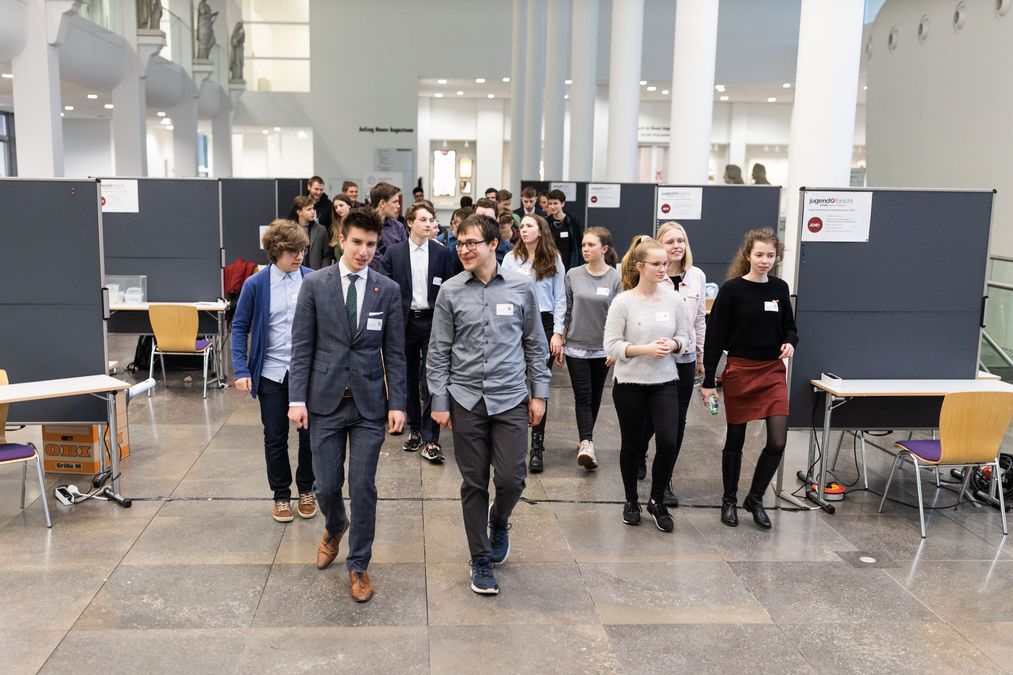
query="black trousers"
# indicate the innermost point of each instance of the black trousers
(420, 401)
(587, 377)
(633, 402)
(687, 375)
(273, 398)
(547, 325)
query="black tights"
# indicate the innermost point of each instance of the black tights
(766, 465)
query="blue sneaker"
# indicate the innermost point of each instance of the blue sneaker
(499, 542)
(482, 580)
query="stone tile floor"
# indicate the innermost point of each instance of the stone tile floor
(196, 577)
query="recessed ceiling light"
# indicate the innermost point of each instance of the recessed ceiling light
(865, 88)
(441, 81)
(771, 99)
(7, 76)
(652, 88)
(786, 85)
(567, 81)
(277, 128)
(93, 96)
(160, 114)
(108, 106)
(506, 79)
(460, 93)
(166, 122)
(479, 80)
(566, 96)
(722, 98)
(265, 132)
(61, 114)
(491, 96)
(665, 92)
(719, 88)
(643, 82)
(68, 107)
(438, 94)
(170, 128)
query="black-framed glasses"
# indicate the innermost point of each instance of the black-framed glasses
(471, 245)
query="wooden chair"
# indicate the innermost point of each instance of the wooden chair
(971, 428)
(175, 328)
(11, 453)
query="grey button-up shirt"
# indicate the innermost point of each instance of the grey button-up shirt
(486, 343)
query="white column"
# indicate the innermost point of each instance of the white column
(696, 38)
(823, 117)
(624, 89)
(221, 142)
(584, 72)
(738, 133)
(557, 67)
(489, 143)
(520, 31)
(129, 124)
(534, 85)
(184, 137)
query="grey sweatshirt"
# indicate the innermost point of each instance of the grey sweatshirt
(632, 321)
(587, 304)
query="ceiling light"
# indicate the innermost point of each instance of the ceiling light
(665, 92)
(166, 121)
(108, 106)
(771, 99)
(277, 128)
(265, 132)
(460, 93)
(7, 76)
(61, 114)
(643, 82)
(786, 85)
(441, 81)
(720, 88)
(652, 88)
(491, 96)
(160, 114)
(438, 94)
(92, 96)
(170, 128)
(479, 80)
(722, 98)
(567, 81)
(506, 79)
(566, 96)
(865, 88)
(68, 107)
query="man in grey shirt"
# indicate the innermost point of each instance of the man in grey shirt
(487, 334)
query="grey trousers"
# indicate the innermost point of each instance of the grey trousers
(328, 436)
(482, 441)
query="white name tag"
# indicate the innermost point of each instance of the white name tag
(602, 291)
(564, 235)
(771, 306)
(661, 316)
(437, 281)
(504, 309)
(374, 324)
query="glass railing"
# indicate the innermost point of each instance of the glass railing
(997, 338)
(178, 39)
(220, 59)
(105, 13)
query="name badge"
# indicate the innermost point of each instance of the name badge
(602, 291)
(771, 306)
(564, 235)
(661, 316)
(504, 309)
(437, 281)
(374, 324)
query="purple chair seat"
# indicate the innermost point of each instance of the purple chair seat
(929, 450)
(12, 451)
(201, 345)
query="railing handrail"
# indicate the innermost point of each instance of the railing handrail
(1000, 285)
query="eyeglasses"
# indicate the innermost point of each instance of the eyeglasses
(471, 245)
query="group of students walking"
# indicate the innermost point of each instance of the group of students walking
(464, 337)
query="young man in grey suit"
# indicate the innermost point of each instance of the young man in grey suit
(487, 345)
(347, 332)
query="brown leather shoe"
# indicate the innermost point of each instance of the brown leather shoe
(362, 587)
(307, 505)
(327, 549)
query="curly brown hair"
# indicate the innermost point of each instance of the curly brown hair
(739, 266)
(543, 265)
(284, 235)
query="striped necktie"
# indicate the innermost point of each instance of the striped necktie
(351, 305)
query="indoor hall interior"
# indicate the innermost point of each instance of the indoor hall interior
(196, 576)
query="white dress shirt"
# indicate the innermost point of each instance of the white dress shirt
(419, 257)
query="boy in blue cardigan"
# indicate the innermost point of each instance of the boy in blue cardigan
(264, 315)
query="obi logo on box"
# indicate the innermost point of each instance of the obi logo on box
(55, 450)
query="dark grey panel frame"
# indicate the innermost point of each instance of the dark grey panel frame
(175, 239)
(727, 213)
(51, 299)
(906, 305)
(577, 208)
(247, 205)
(287, 189)
(635, 214)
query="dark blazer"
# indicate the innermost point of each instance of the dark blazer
(397, 265)
(320, 253)
(324, 207)
(326, 355)
(538, 212)
(253, 314)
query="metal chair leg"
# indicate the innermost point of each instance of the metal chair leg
(935, 470)
(161, 362)
(921, 507)
(865, 465)
(151, 367)
(42, 488)
(837, 453)
(997, 476)
(24, 480)
(963, 486)
(896, 461)
(205, 373)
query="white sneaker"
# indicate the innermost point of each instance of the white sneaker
(585, 455)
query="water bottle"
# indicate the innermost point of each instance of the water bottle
(712, 404)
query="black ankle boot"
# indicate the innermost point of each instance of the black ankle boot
(535, 464)
(729, 515)
(755, 506)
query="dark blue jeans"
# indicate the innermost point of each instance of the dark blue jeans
(330, 434)
(273, 398)
(420, 401)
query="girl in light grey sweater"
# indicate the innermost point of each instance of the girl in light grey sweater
(645, 329)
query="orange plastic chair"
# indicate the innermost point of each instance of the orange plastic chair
(175, 328)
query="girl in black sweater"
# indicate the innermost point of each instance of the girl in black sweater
(752, 320)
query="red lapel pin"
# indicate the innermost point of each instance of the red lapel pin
(376, 289)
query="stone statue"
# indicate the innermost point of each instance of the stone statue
(205, 31)
(149, 14)
(236, 45)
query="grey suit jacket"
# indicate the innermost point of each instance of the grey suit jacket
(326, 356)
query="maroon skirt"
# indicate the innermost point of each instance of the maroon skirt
(753, 390)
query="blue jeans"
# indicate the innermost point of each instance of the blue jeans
(329, 435)
(416, 346)
(273, 399)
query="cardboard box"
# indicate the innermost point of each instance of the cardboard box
(76, 448)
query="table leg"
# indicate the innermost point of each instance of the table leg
(113, 491)
(816, 496)
(220, 351)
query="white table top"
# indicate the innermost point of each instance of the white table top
(211, 306)
(69, 386)
(854, 388)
